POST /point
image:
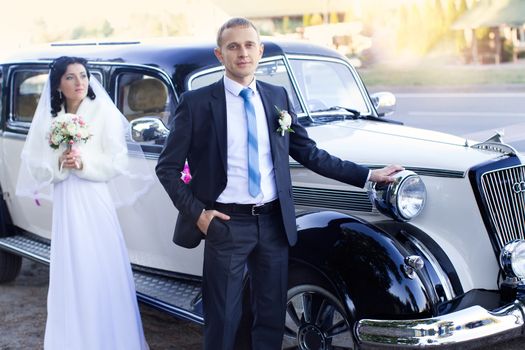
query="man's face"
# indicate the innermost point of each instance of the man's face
(240, 52)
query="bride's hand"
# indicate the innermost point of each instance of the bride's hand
(70, 160)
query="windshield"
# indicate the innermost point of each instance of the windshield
(273, 72)
(327, 84)
(324, 85)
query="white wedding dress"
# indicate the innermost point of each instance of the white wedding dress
(91, 301)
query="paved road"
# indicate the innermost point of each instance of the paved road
(23, 316)
(475, 113)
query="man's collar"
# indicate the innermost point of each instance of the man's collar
(235, 88)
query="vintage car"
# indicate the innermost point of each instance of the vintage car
(435, 259)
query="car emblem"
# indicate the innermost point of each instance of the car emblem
(519, 187)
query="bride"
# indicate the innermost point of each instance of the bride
(91, 302)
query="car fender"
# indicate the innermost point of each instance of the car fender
(365, 265)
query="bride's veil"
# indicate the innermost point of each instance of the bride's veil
(36, 171)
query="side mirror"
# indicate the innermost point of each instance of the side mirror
(148, 130)
(384, 102)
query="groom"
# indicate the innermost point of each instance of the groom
(240, 195)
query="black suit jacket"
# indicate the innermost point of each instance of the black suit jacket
(198, 134)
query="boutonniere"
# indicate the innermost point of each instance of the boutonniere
(285, 121)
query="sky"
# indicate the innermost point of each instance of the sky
(20, 27)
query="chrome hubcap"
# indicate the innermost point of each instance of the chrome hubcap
(311, 338)
(315, 320)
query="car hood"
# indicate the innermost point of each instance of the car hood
(380, 143)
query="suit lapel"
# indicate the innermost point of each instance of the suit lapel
(218, 110)
(271, 118)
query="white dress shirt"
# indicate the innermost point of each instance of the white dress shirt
(236, 190)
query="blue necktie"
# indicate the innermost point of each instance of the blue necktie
(254, 175)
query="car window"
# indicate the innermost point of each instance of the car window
(273, 72)
(325, 84)
(143, 96)
(28, 86)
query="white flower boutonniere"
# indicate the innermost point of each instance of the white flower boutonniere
(285, 121)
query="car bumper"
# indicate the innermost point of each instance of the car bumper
(471, 327)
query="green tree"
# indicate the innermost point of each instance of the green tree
(79, 32)
(286, 24)
(43, 33)
(333, 17)
(107, 29)
(316, 19)
(451, 12)
(418, 30)
(306, 20)
(462, 8)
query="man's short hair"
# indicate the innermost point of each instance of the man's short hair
(235, 22)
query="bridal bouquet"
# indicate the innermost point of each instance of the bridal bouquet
(68, 129)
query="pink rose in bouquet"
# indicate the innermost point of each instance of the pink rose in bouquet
(68, 129)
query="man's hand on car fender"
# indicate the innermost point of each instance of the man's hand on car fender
(385, 174)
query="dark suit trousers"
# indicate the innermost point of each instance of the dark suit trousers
(258, 242)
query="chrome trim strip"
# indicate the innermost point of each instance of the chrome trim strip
(170, 309)
(12, 249)
(356, 76)
(143, 66)
(152, 156)
(474, 324)
(331, 199)
(455, 174)
(504, 206)
(499, 147)
(15, 136)
(189, 81)
(442, 276)
(298, 92)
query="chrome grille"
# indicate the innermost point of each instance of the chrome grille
(505, 203)
(331, 199)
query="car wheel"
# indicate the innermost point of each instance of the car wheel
(316, 320)
(9, 266)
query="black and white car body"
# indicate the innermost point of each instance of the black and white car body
(436, 259)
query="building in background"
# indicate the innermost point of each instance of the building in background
(494, 31)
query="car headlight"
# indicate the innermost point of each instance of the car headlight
(512, 259)
(402, 200)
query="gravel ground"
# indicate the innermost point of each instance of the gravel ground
(23, 316)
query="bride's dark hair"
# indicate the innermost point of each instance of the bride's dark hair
(58, 68)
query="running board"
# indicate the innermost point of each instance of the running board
(178, 297)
